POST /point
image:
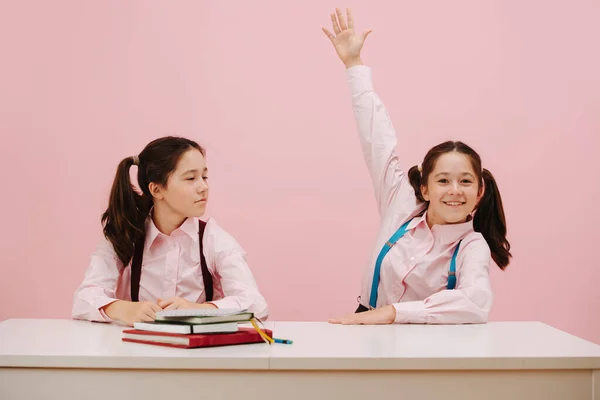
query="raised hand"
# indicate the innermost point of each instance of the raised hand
(346, 42)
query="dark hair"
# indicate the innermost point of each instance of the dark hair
(124, 219)
(489, 217)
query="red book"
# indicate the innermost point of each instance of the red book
(189, 341)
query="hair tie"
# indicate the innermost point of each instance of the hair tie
(136, 160)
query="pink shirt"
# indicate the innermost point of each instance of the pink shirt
(414, 273)
(171, 268)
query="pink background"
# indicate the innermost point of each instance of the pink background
(85, 84)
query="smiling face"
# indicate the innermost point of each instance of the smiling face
(452, 189)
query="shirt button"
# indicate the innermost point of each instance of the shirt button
(412, 258)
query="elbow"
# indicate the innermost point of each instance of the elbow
(84, 310)
(479, 318)
(480, 313)
(466, 310)
(80, 310)
(79, 307)
(252, 302)
(480, 307)
(261, 310)
(262, 316)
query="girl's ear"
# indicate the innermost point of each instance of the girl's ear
(156, 191)
(425, 192)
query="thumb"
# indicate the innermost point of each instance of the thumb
(328, 34)
(163, 303)
(365, 34)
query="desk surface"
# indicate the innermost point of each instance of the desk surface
(317, 346)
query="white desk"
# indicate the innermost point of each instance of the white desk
(62, 359)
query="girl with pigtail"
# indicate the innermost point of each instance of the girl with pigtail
(442, 223)
(157, 253)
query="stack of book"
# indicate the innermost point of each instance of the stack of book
(203, 327)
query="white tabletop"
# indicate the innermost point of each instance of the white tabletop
(496, 345)
(81, 344)
(317, 346)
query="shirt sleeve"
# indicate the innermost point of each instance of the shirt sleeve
(469, 303)
(378, 141)
(99, 285)
(240, 290)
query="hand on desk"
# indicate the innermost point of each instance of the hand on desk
(379, 316)
(180, 303)
(129, 312)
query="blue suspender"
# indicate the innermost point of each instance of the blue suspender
(452, 273)
(386, 248)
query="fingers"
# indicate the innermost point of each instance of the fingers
(374, 317)
(351, 319)
(164, 303)
(176, 303)
(334, 23)
(143, 312)
(147, 318)
(173, 306)
(341, 19)
(350, 18)
(145, 315)
(155, 307)
(150, 310)
(328, 34)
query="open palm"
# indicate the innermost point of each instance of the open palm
(346, 42)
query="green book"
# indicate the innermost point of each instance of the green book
(203, 316)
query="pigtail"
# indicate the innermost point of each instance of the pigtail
(490, 221)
